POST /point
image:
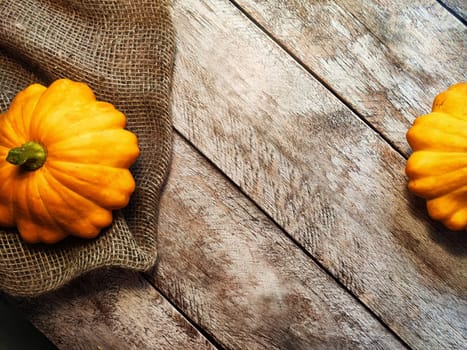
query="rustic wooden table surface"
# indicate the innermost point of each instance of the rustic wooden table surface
(286, 222)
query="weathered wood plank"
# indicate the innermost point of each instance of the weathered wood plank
(234, 272)
(111, 309)
(319, 171)
(386, 59)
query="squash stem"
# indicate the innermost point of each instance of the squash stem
(30, 156)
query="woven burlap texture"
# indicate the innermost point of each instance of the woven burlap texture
(124, 51)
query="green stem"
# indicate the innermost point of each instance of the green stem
(30, 156)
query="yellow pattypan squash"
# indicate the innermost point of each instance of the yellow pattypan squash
(64, 160)
(437, 169)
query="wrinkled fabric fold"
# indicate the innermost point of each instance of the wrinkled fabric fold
(124, 51)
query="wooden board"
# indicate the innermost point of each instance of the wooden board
(385, 59)
(322, 174)
(237, 276)
(111, 309)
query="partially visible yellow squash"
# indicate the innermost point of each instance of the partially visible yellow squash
(64, 160)
(437, 169)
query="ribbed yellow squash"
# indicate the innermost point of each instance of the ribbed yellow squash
(64, 160)
(437, 169)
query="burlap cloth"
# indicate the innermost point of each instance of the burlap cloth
(124, 50)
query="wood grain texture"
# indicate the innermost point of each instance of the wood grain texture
(233, 271)
(386, 59)
(111, 309)
(318, 171)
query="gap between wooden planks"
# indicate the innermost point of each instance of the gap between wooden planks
(385, 60)
(227, 266)
(457, 7)
(239, 278)
(317, 170)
